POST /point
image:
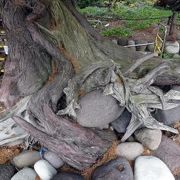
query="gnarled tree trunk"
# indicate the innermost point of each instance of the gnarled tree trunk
(50, 43)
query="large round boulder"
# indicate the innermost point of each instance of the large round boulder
(97, 110)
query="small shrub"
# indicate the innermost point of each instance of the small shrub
(118, 32)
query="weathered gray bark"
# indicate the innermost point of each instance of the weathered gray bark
(50, 43)
(40, 67)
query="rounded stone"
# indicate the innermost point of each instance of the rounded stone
(114, 170)
(150, 167)
(169, 116)
(114, 41)
(130, 150)
(97, 110)
(169, 152)
(53, 159)
(121, 123)
(25, 174)
(150, 47)
(133, 47)
(7, 171)
(122, 41)
(172, 47)
(26, 158)
(151, 138)
(45, 170)
(67, 176)
(140, 47)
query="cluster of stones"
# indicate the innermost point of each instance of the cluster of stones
(171, 47)
(155, 156)
(162, 161)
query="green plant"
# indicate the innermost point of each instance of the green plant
(94, 11)
(167, 55)
(139, 18)
(119, 32)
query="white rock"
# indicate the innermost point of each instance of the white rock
(6, 50)
(172, 47)
(133, 47)
(151, 168)
(129, 150)
(53, 159)
(45, 170)
(114, 41)
(150, 138)
(27, 158)
(25, 174)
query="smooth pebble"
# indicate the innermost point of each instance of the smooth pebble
(44, 170)
(130, 150)
(25, 159)
(53, 159)
(150, 138)
(25, 174)
(151, 168)
(118, 169)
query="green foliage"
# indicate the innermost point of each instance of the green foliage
(140, 12)
(94, 11)
(119, 32)
(167, 55)
(130, 11)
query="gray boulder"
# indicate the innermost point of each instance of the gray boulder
(141, 47)
(67, 176)
(169, 153)
(7, 171)
(53, 159)
(150, 138)
(114, 170)
(114, 41)
(122, 41)
(97, 110)
(132, 42)
(170, 116)
(150, 47)
(172, 47)
(121, 123)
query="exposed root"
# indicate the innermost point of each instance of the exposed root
(108, 156)
(71, 59)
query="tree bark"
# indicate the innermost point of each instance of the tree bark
(172, 29)
(50, 45)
